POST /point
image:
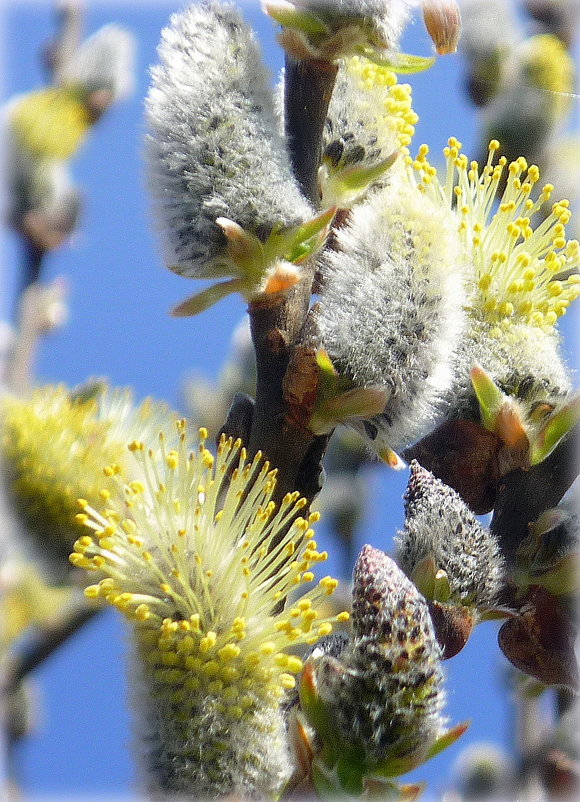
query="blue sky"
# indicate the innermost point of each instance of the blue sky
(119, 327)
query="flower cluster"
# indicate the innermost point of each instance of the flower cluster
(370, 121)
(103, 63)
(394, 648)
(513, 278)
(326, 30)
(376, 703)
(521, 278)
(54, 446)
(200, 560)
(515, 267)
(391, 309)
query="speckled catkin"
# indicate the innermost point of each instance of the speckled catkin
(390, 697)
(214, 148)
(439, 524)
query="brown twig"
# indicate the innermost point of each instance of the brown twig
(275, 327)
(307, 91)
(277, 320)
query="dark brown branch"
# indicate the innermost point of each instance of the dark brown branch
(277, 321)
(275, 325)
(307, 92)
(524, 495)
(239, 420)
(32, 261)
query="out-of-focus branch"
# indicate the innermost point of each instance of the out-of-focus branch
(68, 36)
(39, 235)
(43, 641)
(531, 731)
(32, 259)
(42, 309)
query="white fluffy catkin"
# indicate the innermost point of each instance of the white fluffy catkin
(391, 308)
(525, 362)
(103, 61)
(384, 19)
(214, 148)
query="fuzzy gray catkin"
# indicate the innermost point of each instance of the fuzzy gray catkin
(390, 310)
(384, 19)
(214, 148)
(439, 524)
(528, 365)
(103, 61)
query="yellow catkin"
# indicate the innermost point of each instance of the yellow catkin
(208, 626)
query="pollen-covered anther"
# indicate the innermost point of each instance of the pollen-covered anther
(329, 584)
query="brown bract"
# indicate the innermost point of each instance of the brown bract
(443, 22)
(540, 640)
(465, 456)
(300, 386)
(453, 625)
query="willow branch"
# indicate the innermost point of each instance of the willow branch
(68, 36)
(307, 92)
(42, 642)
(524, 495)
(277, 322)
(275, 327)
(32, 261)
